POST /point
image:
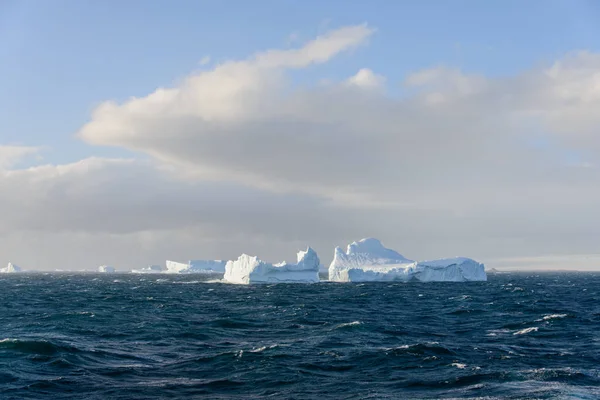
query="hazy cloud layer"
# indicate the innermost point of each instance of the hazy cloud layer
(454, 164)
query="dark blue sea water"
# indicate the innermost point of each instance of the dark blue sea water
(521, 336)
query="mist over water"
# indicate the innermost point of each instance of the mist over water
(155, 336)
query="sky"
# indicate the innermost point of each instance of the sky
(134, 132)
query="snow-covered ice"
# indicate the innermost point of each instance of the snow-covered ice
(457, 269)
(196, 267)
(368, 260)
(247, 269)
(174, 267)
(10, 269)
(106, 269)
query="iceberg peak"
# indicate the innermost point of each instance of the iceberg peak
(374, 248)
(10, 269)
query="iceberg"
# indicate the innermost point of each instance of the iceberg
(248, 269)
(457, 269)
(196, 267)
(10, 269)
(369, 261)
(366, 255)
(174, 267)
(105, 269)
(151, 269)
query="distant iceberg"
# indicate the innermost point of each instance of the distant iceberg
(369, 261)
(105, 269)
(247, 269)
(196, 267)
(10, 269)
(151, 269)
(208, 266)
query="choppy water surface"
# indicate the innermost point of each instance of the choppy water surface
(155, 336)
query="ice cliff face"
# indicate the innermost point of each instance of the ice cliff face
(174, 267)
(10, 269)
(196, 267)
(458, 269)
(247, 269)
(368, 260)
(106, 269)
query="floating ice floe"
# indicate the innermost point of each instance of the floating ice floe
(368, 261)
(247, 269)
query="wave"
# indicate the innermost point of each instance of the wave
(526, 331)
(426, 348)
(551, 316)
(348, 325)
(35, 346)
(263, 348)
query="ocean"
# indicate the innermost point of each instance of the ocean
(113, 336)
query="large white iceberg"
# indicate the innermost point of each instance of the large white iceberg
(105, 269)
(457, 269)
(10, 269)
(366, 255)
(196, 267)
(247, 269)
(369, 261)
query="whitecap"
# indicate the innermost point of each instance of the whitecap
(526, 330)
(551, 316)
(344, 325)
(263, 348)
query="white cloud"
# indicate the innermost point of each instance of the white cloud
(445, 169)
(11, 155)
(365, 78)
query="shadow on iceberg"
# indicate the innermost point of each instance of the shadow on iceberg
(248, 269)
(369, 261)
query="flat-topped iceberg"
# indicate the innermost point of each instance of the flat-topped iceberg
(10, 269)
(457, 269)
(196, 267)
(369, 261)
(174, 267)
(151, 269)
(105, 269)
(247, 269)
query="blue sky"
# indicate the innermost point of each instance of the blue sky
(61, 58)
